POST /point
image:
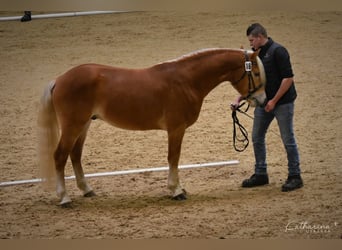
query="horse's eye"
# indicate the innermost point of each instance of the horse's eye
(257, 74)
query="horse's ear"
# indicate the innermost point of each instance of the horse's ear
(241, 47)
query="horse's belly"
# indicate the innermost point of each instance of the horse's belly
(134, 118)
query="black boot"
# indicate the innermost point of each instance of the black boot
(255, 180)
(292, 183)
(26, 17)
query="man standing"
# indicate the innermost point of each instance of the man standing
(281, 94)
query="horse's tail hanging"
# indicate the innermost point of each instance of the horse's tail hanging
(48, 136)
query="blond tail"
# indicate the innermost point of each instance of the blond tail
(48, 136)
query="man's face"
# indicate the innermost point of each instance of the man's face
(255, 41)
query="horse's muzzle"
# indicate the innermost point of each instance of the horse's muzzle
(258, 100)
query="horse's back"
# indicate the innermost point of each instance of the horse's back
(126, 98)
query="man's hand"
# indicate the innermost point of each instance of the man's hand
(270, 106)
(235, 105)
(284, 86)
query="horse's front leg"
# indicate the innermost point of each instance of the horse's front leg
(175, 139)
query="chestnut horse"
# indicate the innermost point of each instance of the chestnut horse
(166, 96)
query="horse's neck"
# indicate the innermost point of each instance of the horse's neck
(212, 70)
(203, 70)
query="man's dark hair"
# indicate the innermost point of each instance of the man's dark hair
(256, 29)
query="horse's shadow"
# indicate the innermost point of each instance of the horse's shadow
(105, 201)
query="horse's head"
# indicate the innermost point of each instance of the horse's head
(251, 84)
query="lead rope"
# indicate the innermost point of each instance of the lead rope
(243, 138)
(240, 134)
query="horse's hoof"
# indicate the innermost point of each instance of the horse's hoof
(180, 197)
(90, 194)
(66, 205)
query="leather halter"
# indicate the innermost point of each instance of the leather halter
(248, 71)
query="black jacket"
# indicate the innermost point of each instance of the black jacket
(277, 66)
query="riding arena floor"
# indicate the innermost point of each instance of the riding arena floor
(138, 206)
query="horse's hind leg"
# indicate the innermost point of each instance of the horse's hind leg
(75, 156)
(61, 155)
(69, 137)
